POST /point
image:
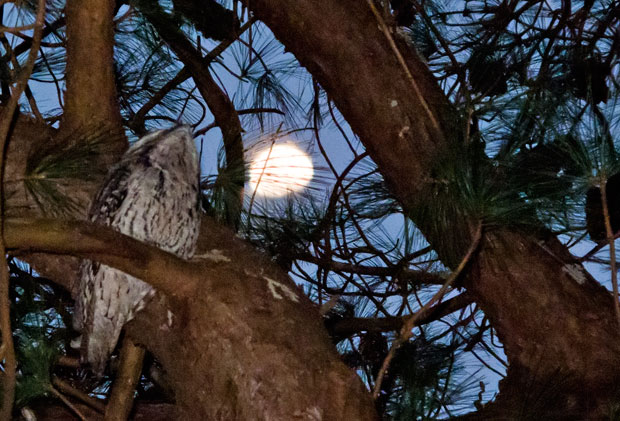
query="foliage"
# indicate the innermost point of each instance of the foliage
(50, 169)
(535, 91)
(40, 331)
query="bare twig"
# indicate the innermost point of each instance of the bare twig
(586, 257)
(68, 403)
(350, 326)
(212, 125)
(8, 382)
(406, 330)
(137, 122)
(67, 389)
(260, 177)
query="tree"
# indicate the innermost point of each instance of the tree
(488, 157)
(515, 269)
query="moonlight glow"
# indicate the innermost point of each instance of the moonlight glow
(279, 170)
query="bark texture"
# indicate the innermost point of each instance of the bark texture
(556, 322)
(238, 340)
(241, 347)
(245, 344)
(91, 103)
(343, 47)
(255, 345)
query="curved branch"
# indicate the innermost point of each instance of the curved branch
(162, 270)
(137, 122)
(244, 324)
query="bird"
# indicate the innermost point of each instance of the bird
(152, 195)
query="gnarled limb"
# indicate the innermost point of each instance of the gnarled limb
(253, 342)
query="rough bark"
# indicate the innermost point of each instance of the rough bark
(292, 370)
(237, 338)
(341, 44)
(91, 103)
(217, 100)
(254, 344)
(258, 369)
(555, 321)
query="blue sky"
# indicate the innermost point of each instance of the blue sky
(336, 149)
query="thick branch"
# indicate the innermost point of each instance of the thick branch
(342, 45)
(161, 269)
(90, 99)
(537, 298)
(253, 342)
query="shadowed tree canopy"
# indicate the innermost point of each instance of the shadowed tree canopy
(440, 264)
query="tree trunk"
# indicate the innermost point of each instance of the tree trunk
(556, 322)
(91, 104)
(246, 343)
(557, 325)
(242, 347)
(249, 344)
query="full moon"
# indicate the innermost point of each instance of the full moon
(279, 170)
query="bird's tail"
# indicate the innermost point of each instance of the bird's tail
(100, 341)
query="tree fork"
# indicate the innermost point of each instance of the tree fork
(540, 301)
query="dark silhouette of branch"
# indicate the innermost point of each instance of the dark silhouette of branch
(351, 326)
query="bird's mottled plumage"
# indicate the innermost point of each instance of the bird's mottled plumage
(150, 195)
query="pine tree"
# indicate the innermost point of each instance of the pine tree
(468, 171)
